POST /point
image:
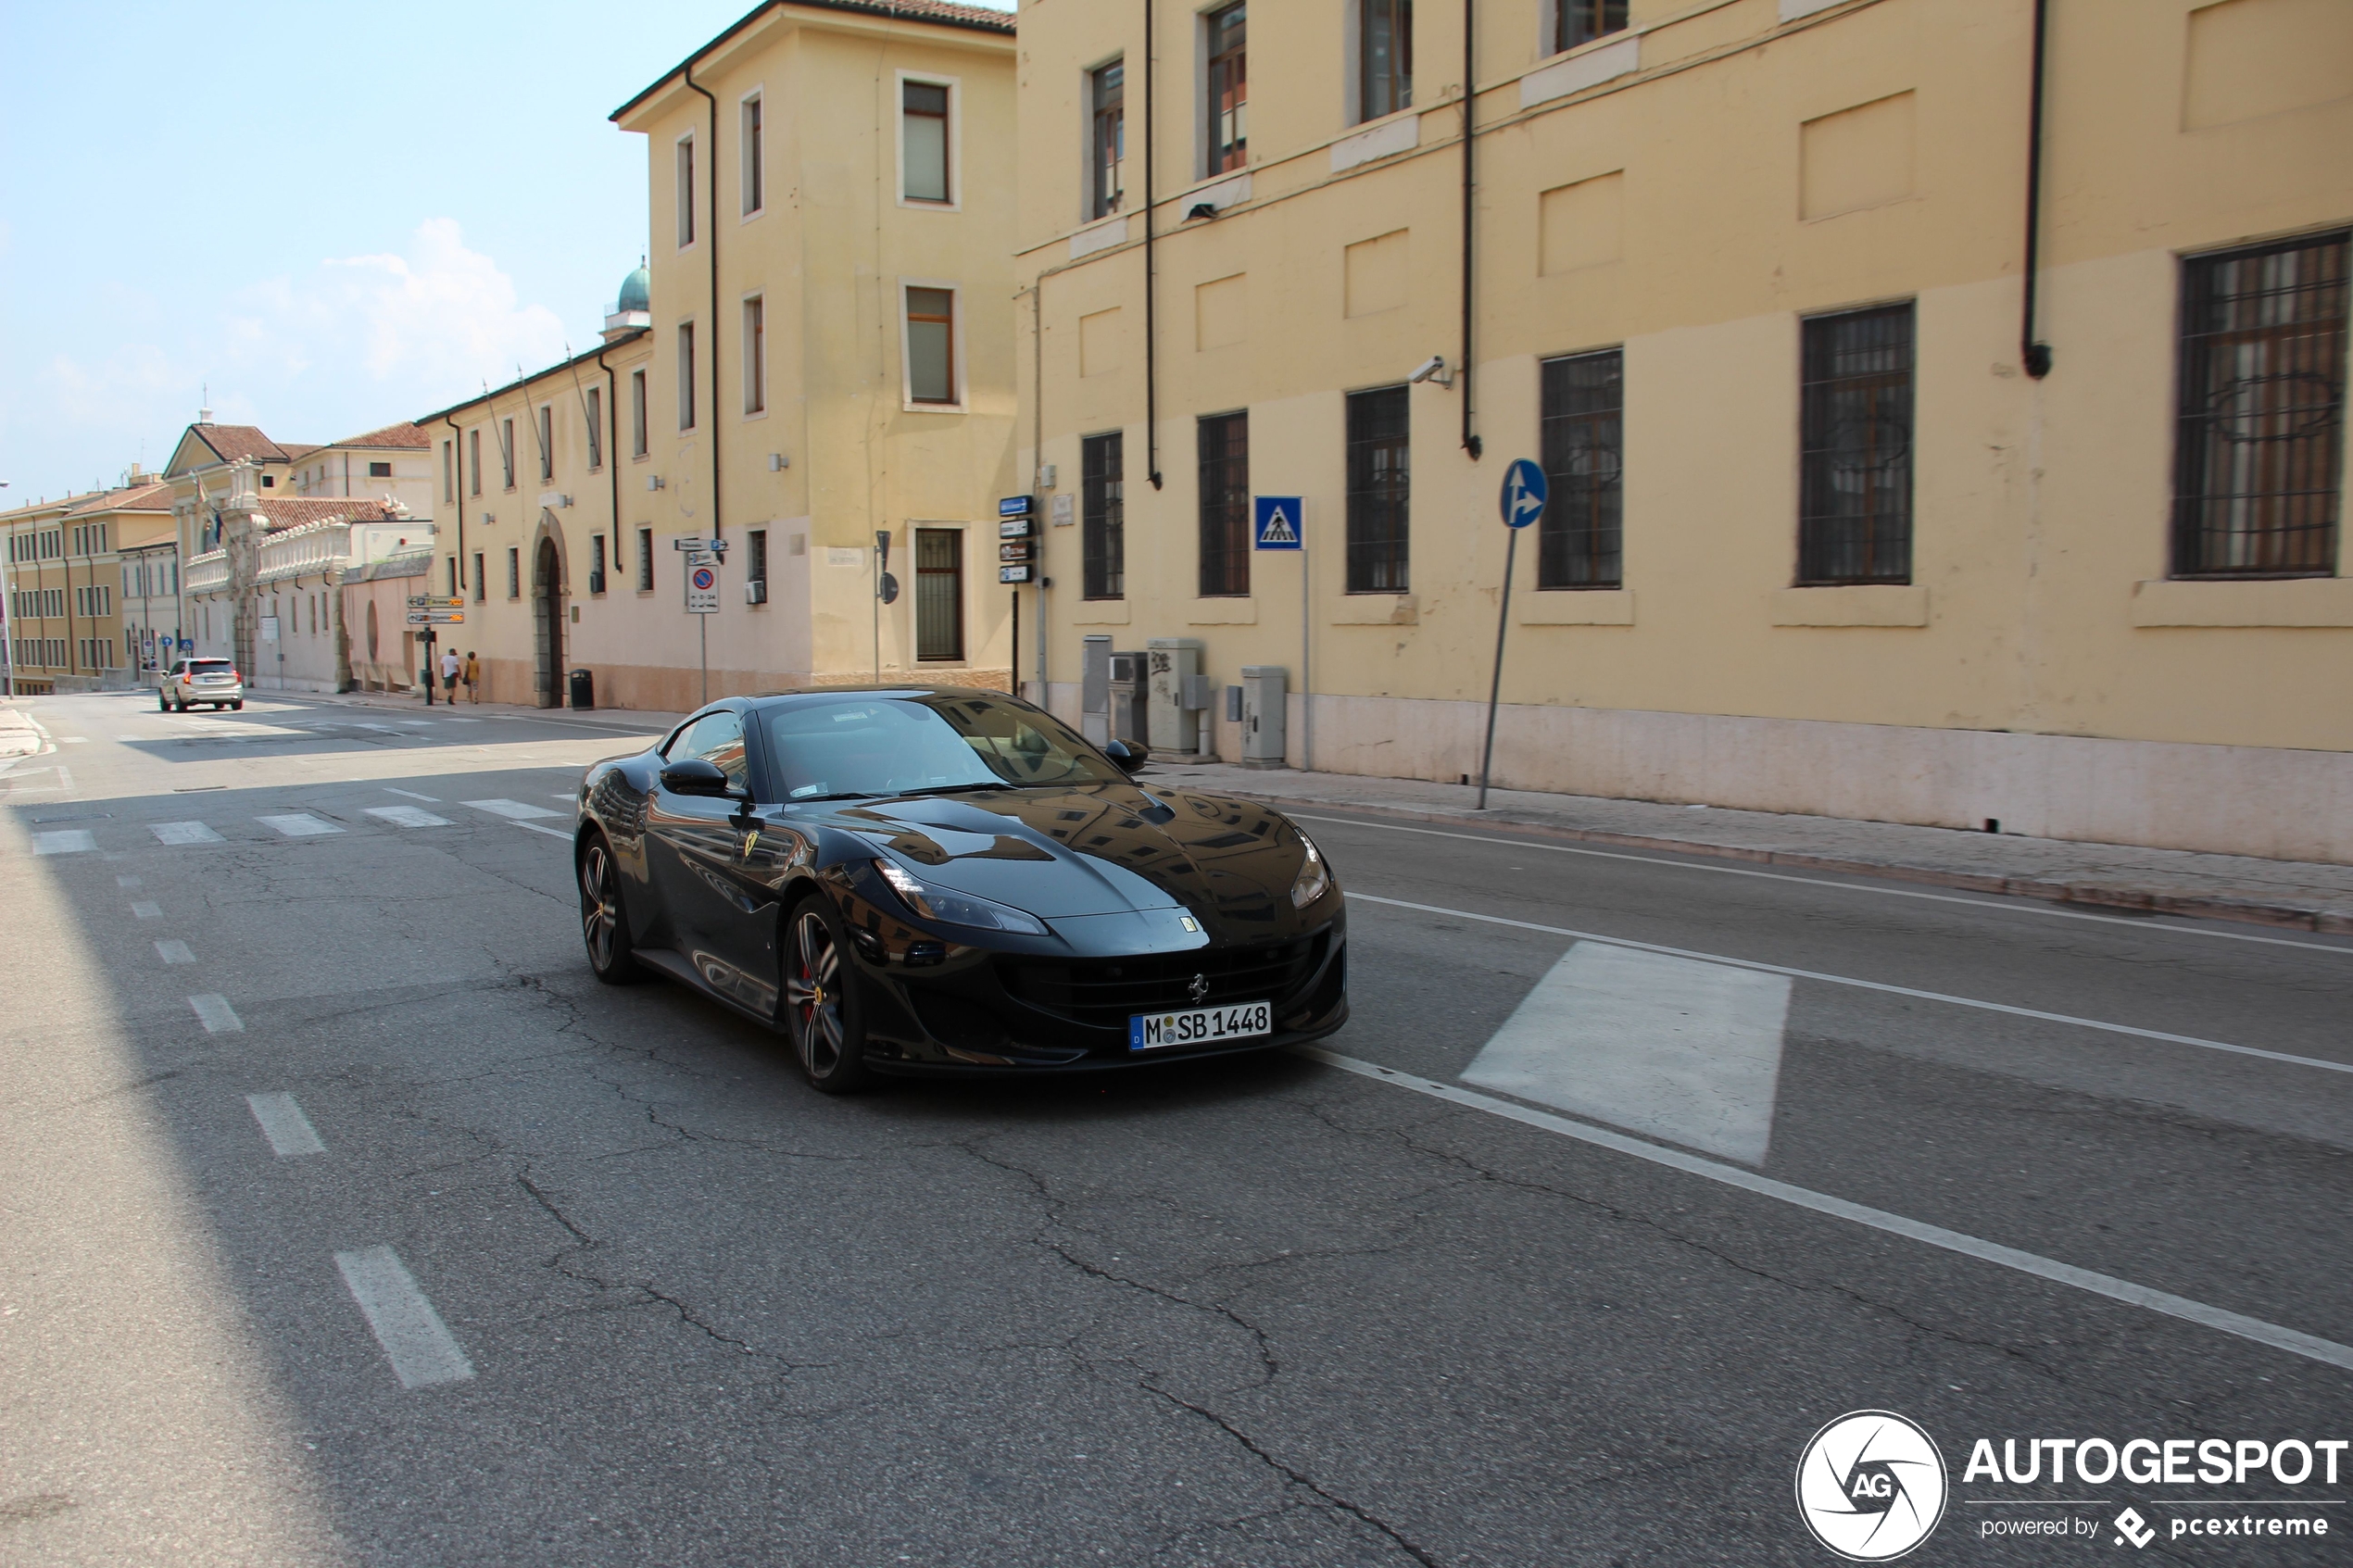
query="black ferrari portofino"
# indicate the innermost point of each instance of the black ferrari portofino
(935, 880)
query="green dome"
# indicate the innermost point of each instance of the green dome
(636, 292)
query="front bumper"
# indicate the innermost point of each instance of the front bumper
(992, 1016)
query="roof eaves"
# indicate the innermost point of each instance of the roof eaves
(974, 21)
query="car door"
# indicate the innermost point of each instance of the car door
(720, 916)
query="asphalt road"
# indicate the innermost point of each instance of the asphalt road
(1629, 1174)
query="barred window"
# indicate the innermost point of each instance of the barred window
(1104, 541)
(940, 592)
(1224, 505)
(1379, 488)
(1579, 540)
(1855, 519)
(2261, 431)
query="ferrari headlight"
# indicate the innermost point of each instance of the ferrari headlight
(1315, 876)
(957, 908)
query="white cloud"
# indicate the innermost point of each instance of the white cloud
(441, 316)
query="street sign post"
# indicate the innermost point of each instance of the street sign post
(1280, 522)
(1525, 491)
(702, 602)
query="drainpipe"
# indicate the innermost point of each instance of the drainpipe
(1471, 443)
(612, 459)
(457, 489)
(688, 73)
(2036, 356)
(1152, 276)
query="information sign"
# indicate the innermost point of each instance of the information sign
(1274, 523)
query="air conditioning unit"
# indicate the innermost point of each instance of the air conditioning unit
(756, 591)
(596, 581)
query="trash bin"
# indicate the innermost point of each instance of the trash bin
(584, 689)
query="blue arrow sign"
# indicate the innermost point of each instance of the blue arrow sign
(1524, 492)
(1274, 523)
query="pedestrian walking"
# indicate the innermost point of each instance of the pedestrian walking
(449, 676)
(472, 675)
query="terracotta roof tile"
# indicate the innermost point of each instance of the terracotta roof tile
(404, 436)
(292, 512)
(231, 441)
(130, 499)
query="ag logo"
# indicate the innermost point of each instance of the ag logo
(1870, 1485)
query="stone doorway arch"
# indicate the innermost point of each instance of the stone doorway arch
(547, 575)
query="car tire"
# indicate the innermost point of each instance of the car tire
(239, 705)
(604, 919)
(823, 1015)
(163, 703)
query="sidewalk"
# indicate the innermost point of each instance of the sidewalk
(2174, 882)
(620, 720)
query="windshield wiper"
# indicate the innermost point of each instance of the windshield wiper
(956, 788)
(839, 795)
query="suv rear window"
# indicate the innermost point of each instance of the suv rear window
(198, 666)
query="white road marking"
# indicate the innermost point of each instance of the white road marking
(219, 1017)
(513, 810)
(2022, 905)
(299, 825)
(462, 721)
(64, 841)
(416, 720)
(145, 909)
(364, 724)
(566, 797)
(551, 833)
(428, 800)
(132, 740)
(415, 1341)
(73, 740)
(282, 1122)
(1876, 985)
(408, 816)
(184, 832)
(1668, 1047)
(174, 951)
(2290, 1340)
(129, 881)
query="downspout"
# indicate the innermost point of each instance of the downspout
(2036, 356)
(1152, 276)
(688, 72)
(612, 459)
(1471, 443)
(457, 489)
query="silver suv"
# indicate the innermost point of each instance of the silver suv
(192, 681)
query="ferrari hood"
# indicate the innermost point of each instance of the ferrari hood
(1099, 849)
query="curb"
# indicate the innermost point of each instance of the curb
(2247, 911)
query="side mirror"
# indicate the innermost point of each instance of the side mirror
(1129, 753)
(695, 775)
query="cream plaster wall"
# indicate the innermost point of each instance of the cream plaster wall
(2209, 714)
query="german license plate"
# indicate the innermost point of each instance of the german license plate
(1200, 1026)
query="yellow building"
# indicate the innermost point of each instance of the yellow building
(1748, 280)
(78, 617)
(830, 354)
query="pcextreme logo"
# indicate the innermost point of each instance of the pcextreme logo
(1870, 1485)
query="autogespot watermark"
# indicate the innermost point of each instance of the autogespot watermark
(1872, 1486)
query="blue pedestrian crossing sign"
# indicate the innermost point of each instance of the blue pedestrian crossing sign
(1524, 491)
(1274, 523)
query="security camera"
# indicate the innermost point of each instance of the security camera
(1433, 370)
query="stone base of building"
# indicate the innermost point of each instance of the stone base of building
(2225, 799)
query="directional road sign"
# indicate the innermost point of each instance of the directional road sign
(1524, 491)
(436, 617)
(1274, 523)
(431, 601)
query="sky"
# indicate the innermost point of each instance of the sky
(333, 217)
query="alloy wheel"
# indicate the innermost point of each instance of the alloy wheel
(811, 991)
(599, 914)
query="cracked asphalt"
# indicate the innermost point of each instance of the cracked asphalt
(1250, 1313)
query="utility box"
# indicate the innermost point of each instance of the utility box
(1176, 724)
(1265, 689)
(1094, 690)
(1131, 717)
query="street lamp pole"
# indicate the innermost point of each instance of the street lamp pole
(7, 619)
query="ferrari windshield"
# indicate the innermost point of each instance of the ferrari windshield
(867, 745)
